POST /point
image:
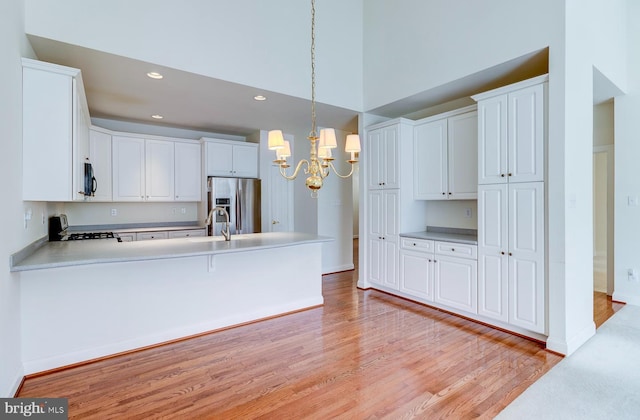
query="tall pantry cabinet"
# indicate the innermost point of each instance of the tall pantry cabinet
(390, 207)
(511, 204)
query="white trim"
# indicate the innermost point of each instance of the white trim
(448, 114)
(609, 149)
(569, 346)
(338, 268)
(509, 88)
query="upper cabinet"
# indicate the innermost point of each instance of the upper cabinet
(156, 169)
(511, 125)
(383, 158)
(100, 158)
(55, 132)
(227, 158)
(445, 157)
(188, 172)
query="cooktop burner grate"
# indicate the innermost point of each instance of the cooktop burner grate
(90, 235)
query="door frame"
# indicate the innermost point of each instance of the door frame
(609, 151)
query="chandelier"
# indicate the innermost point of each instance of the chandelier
(319, 164)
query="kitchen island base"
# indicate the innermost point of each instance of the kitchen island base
(78, 313)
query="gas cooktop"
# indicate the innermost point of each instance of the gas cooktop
(91, 235)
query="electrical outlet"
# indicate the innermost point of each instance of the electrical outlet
(183, 210)
(467, 213)
(114, 212)
(632, 274)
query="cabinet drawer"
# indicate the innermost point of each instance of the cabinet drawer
(457, 250)
(145, 236)
(127, 237)
(186, 233)
(417, 244)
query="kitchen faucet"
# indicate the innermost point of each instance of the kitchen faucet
(226, 231)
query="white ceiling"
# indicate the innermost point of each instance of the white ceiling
(117, 88)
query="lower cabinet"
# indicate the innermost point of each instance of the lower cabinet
(441, 272)
(456, 283)
(417, 268)
(161, 234)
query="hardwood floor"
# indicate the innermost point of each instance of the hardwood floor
(364, 354)
(604, 308)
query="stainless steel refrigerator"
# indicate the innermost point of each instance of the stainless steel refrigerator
(241, 198)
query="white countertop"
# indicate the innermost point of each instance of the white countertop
(70, 253)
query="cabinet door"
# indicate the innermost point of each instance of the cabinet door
(430, 161)
(526, 256)
(188, 173)
(375, 232)
(456, 283)
(128, 169)
(80, 143)
(219, 159)
(100, 156)
(492, 140)
(526, 134)
(462, 156)
(47, 136)
(148, 236)
(159, 164)
(375, 139)
(187, 233)
(493, 217)
(245, 161)
(390, 157)
(416, 274)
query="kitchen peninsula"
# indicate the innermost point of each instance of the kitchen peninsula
(98, 298)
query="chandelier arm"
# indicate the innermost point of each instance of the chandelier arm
(293, 176)
(337, 173)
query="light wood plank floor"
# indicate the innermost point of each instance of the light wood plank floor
(364, 354)
(604, 308)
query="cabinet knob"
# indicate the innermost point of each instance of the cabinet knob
(509, 174)
(453, 249)
(435, 261)
(429, 260)
(449, 193)
(502, 175)
(502, 252)
(443, 193)
(274, 222)
(510, 254)
(414, 244)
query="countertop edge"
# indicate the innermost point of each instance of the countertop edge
(167, 254)
(442, 237)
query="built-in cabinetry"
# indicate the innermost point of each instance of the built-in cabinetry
(440, 272)
(55, 137)
(511, 205)
(155, 170)
(445, 158)
(227, 158)
(390, 206)
(100, 157)
(160, 234)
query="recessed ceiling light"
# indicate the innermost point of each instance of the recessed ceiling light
(260, 98)
(157, 116)
(154, 75)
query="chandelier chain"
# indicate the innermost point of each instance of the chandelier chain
(313, 132)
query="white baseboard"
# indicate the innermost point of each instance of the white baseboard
(13, 384)
(338, 268)
(567, 347)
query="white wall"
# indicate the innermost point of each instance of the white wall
(84, 214)
(603, 133)
(205, 36)
(414, 45)
(452, 213)
(13, 46)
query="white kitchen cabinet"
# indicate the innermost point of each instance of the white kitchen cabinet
(383, 237)
(190, 233)
(100, 155)
(127, 237)
(227, 158)
(511, 132)
(445, 158)
(383, 157)
(417, 268)
(456, 278)
(55, 136)
(128, 168)
(159, 170)
(511, 256)
(188, 172)
(148, 236)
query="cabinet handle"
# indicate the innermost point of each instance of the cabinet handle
(429, 260)
(414, 244)
(453, 249)
(443, 193)
(510, 254)
(502, 252)
(509, 174)
(435, 261)
(449, 193)
(502, 175)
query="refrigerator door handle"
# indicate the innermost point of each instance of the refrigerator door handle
(238, 211)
